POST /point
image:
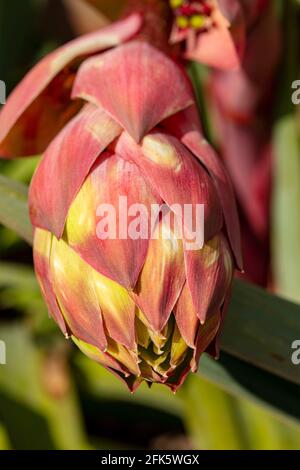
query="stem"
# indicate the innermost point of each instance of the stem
(157, 21)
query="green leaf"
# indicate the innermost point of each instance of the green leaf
(249, 425)
(199, 75)
(18, 35)
(286, 200)
(34, 416)
(246, 381)
(4, 442)
(266, 432)
(17, 275)
(20, 169)
(19, 290)
(260, 329)
(208, 412)
(103, 384)
(14, 207)
(286, 188)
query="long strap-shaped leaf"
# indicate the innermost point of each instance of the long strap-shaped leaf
(261, 328)
(246, 381)
(14, 208)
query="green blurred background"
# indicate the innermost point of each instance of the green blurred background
(51, 396)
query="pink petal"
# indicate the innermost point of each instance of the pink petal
(178, 377)
(128, 359)
(175, 175)
(118, 311)
(209, 274)
(41, 256)
(65, 166)
(162, 277)
(214, 347)
(222, 46)
(39, 106)
(186, 127)
(206, 336)
(103, 358)
(183, 122)
(122, 258)
(131, 84)
(206, 154)
(186, 317)
(216, 49)
(73, 283)
(132, 382)
(150, 375)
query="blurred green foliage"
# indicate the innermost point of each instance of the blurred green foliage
(286, 195)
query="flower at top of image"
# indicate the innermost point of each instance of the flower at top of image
(213, 31)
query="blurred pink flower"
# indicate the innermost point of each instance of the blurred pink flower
(243, 102)
(213, 31)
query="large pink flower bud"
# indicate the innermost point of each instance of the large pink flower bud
(143, 303)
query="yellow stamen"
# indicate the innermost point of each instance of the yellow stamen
(182, 21)
(176, 3)
(197, 21)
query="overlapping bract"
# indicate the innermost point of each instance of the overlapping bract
(146, 308)
(40, 106)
